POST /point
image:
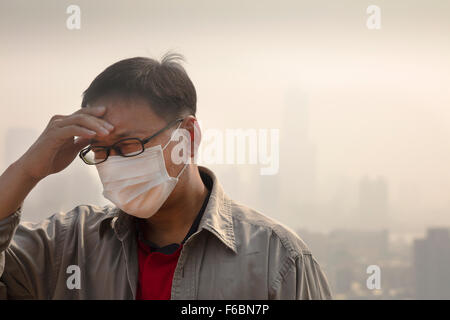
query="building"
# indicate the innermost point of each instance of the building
(432, 265)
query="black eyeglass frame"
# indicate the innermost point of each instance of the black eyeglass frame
(108, 148)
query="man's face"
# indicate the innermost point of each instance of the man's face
(133, 118)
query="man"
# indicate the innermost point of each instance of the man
(172, 232)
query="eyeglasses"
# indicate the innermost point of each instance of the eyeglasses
(128, 147)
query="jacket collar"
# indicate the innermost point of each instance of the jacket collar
(217, 217)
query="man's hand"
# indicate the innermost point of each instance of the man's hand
(56, 147)
(52, 152)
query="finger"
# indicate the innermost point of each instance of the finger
(96, 111)
(74, 130)
(80, 142)
(92, 123)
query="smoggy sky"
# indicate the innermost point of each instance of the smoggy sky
(377, 101)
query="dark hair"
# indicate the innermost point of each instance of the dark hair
(165, 85)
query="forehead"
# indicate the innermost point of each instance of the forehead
(129, 116)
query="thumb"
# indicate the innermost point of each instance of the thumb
(79, 143)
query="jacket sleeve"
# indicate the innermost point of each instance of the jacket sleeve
(29, 256)
(302, 279)
(295, 275)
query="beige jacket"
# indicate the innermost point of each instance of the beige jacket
(237, 253)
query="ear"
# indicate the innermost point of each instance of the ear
(193, 127)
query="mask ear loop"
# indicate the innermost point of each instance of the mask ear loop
(184, 167)
(171, 137)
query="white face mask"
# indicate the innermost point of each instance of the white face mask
(138, 185)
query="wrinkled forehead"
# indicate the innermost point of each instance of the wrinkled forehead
(129, 116)
(132, 111)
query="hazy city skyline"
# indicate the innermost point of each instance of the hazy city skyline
(362, 103)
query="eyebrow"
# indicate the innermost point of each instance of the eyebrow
(120, 135)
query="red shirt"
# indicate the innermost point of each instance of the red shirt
(155, 273)
(157, 265)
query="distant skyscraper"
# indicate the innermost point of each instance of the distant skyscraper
(373, 203)
(432, 265)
